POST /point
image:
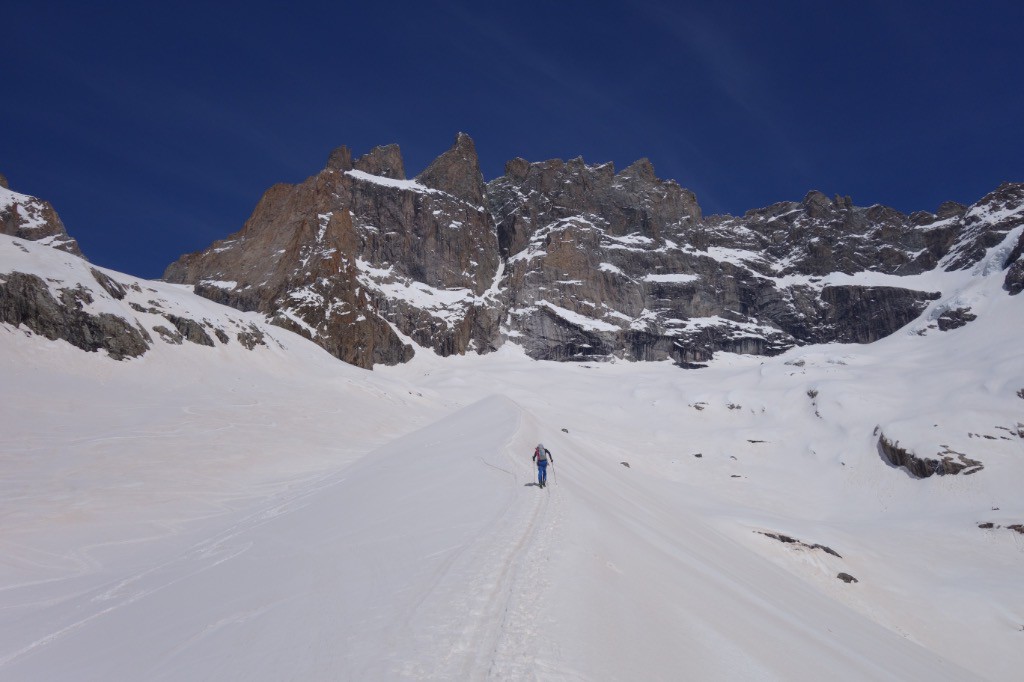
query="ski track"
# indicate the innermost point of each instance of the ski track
(479, 605)
(518, 640)
(489, 589)
(125, 591)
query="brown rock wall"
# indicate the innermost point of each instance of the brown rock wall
(594, 263)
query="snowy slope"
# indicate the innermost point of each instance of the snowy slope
(349, 574)
(431, 561)
(203, 513)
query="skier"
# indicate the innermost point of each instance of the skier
(541, 455)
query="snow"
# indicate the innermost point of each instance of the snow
(671, 278)
(991, 214)
(228, 244)
(408, 185)
(992, 263)
(372, 271)
(645, 319)
(527, 255)
(727, 255)
(628, 242)
(581, 321)
(411, 186)
(215, 513)
(291, 315)
(494, 290)
(323, 220)
(307, 295)
(220, 284)
(9, 198)
(449, 305)
(29, 208)
(717, 321)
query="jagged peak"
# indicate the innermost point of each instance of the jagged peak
(950, 209)
(457, 171)
(517, 168)
(816, 204)
(815, 197)
(3, 181)
(641, 168)
(1006, 191)
(340, 159)
(384, 160)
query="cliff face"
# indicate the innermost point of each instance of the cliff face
(575, 261)
(360, 259)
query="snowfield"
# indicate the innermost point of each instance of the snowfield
(205, 513)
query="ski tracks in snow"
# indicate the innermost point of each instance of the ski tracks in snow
(465, 603)
(521, 630)
(483, 607)
(97, 602)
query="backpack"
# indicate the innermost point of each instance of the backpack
(541, 453)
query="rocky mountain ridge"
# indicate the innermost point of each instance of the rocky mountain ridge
(52, 294)
(576, 261)
(49, 289)
(573, 262)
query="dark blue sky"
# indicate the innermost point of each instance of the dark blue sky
(154, 128)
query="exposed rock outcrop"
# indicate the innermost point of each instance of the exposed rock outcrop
(948, 462)
(858, 314)
(94, 309)
(33, 219)
(190, 330)
(111, 286)
(25, 299)
(1014, 266)
(785, 539)
(251, 337)
(955, 318)
(1016, 527)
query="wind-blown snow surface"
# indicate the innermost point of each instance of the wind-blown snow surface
(213, 513)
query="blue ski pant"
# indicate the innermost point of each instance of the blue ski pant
(542, 471)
